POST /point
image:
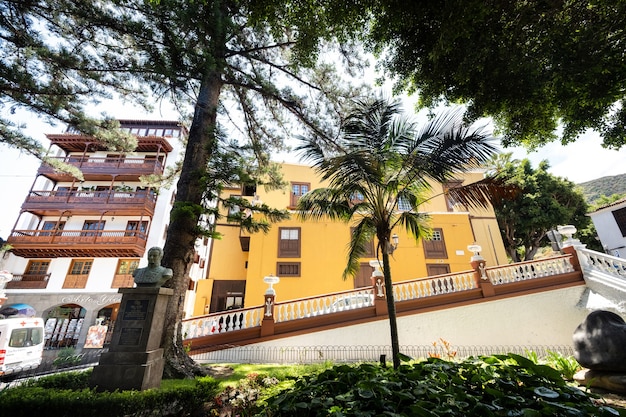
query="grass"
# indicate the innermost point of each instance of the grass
(239, 372)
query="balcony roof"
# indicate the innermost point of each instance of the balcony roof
(70, 142)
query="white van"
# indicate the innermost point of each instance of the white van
(21, 344)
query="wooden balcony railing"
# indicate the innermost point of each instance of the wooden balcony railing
(46, 203)
(364, 304)
(77, 243)
(101, 168)
(28, 281)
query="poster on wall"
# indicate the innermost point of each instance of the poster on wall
(95, 337)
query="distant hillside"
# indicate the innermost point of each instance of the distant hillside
(603, 186)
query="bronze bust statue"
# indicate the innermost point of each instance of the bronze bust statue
(153, 275)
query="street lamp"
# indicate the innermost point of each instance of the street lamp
(393, 245)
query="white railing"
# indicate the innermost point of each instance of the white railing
(522, 271)
(364, 297)
(315, 306)
(222, 322)
(591, 260)
(440, 284)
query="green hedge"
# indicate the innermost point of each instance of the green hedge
(66, 395)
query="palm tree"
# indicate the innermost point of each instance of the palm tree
(379, 171)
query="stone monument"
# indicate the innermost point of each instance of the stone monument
(599, 347)
(135, 357)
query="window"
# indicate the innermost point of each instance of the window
(113, 157)
(435, 247)
(123, 277)
(403, 204)
(357, 197)
(37, 267)
(249, 190)
(288, 242)
(451, 203)
(49, 226)
(135, 227)
(37, 271)
(26, 337)
(92, 225)
(78, 273)
(620, 219)
(298, 189)
(288, 269)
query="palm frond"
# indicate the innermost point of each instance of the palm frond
(361, 235)
(324, 202)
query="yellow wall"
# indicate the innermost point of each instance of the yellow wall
(324, 247)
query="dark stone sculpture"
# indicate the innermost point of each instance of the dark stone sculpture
(153, 275)
(600, 342)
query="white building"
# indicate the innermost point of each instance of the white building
(75, 244)
(610, 223)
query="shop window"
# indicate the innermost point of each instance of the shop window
(63, 325)
(289, 242)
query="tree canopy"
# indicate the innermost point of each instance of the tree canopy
(544, 201)
(528, 64)
(250, 70)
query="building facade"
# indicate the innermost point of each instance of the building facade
(75, 243)
(610, 224)
(309, 257)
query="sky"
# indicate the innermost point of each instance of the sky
(578, 162)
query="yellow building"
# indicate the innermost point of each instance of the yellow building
(309, 257)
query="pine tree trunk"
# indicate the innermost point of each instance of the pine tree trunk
(182, 230)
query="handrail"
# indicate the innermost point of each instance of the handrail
(521, 271)
(222, 322)
(323, 304)
(608, 264)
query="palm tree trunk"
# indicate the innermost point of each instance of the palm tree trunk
(391, 309)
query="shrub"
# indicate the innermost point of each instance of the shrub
(67, 357)
(487, 386)
(44, 397)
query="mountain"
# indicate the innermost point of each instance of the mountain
(607, 186)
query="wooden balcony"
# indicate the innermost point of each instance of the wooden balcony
(104, 168)
(28, 281)
(55, 203)
(77, 243)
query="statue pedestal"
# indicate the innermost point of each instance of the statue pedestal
(135, 357)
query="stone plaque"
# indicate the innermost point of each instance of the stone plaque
(130, 336)
(136, 310)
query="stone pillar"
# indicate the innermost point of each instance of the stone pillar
(267, 326)
(480, 277)
(135, 358)
(378, 289)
